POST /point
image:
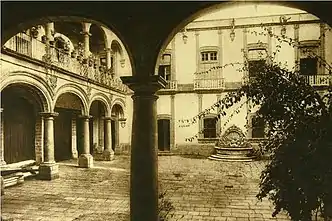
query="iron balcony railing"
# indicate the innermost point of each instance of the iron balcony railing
(69, 61)
(318, 80)
(209, 83)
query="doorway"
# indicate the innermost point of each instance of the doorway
(164, 134)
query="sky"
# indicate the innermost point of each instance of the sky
(249, 11)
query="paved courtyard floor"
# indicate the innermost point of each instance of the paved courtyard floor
(199, 189)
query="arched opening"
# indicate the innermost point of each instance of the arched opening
(116, 115)
(22, 124)
(97, 126)
(68, 132)
(116, 56)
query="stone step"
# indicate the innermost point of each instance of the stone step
(235, 158)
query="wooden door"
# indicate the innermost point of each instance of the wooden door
(62, 135)
(19, 130)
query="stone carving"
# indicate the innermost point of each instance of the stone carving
(52, 81)
(233, 137)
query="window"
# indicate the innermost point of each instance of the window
(258, 128)
(165, 67)
(209, 56)
(308, 63)
(308, 66)
(253, 64)
(210, 127)
(165, 72)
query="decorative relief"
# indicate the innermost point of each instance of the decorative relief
(233, 137)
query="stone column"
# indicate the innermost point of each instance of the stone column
(108, 151)
(2, 139)
(144, 170)
(85, 160)
(86, 34)
(74, 138)
(48, 169)
(108, 58)
(49, 31)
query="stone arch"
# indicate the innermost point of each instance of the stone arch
(76, 90)
(64, 37)
(41, 87)
(116, 45)
(68, 18)
(121, 103)
(103, 99)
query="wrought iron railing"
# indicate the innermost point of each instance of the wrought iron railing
(64, 59)
(318, 80)
(209, 83)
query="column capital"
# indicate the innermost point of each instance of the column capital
(49, 114)
(107, 118)
(85, 33)
(85, 117)
(1, 110)
(145, 85)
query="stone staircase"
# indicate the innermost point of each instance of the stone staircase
(233, 154)
(15, 173)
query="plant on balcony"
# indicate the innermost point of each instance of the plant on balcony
(74, 53)
(34, 32)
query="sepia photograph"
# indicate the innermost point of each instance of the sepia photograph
(166, 110)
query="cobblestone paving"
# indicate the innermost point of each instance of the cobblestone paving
(199, 189)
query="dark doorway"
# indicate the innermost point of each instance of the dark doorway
(62, 135)
(91, 134)
(19, 129)
(80, 136)
(164, 134)
(113, 128)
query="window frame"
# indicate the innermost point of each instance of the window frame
(208, 51)
(308, 44)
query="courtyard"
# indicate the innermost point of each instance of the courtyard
(198, 188)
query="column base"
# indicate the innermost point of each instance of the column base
(48, 171)
(85, 161)
(108, 155)
(2, 162)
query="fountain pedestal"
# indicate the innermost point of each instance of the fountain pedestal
(232, 146)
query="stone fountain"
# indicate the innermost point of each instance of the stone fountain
(233, 146)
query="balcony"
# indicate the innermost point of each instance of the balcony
(64, 60)
(171, 85)
(318, 80)
(209, 83)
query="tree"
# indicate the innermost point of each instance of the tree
(298, 177)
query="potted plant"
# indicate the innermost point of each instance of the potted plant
(34, 32)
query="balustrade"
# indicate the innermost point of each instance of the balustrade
(64, 59)
(209, 83)
(318, 80)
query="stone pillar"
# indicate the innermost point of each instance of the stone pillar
(86, 34)
(2, 139)
(48, 169)
(144, 170)
(85, 160)
(101, 133)
(73, 138)
(49, 32)
(108, 58)
(108, 153)
(201, 120)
